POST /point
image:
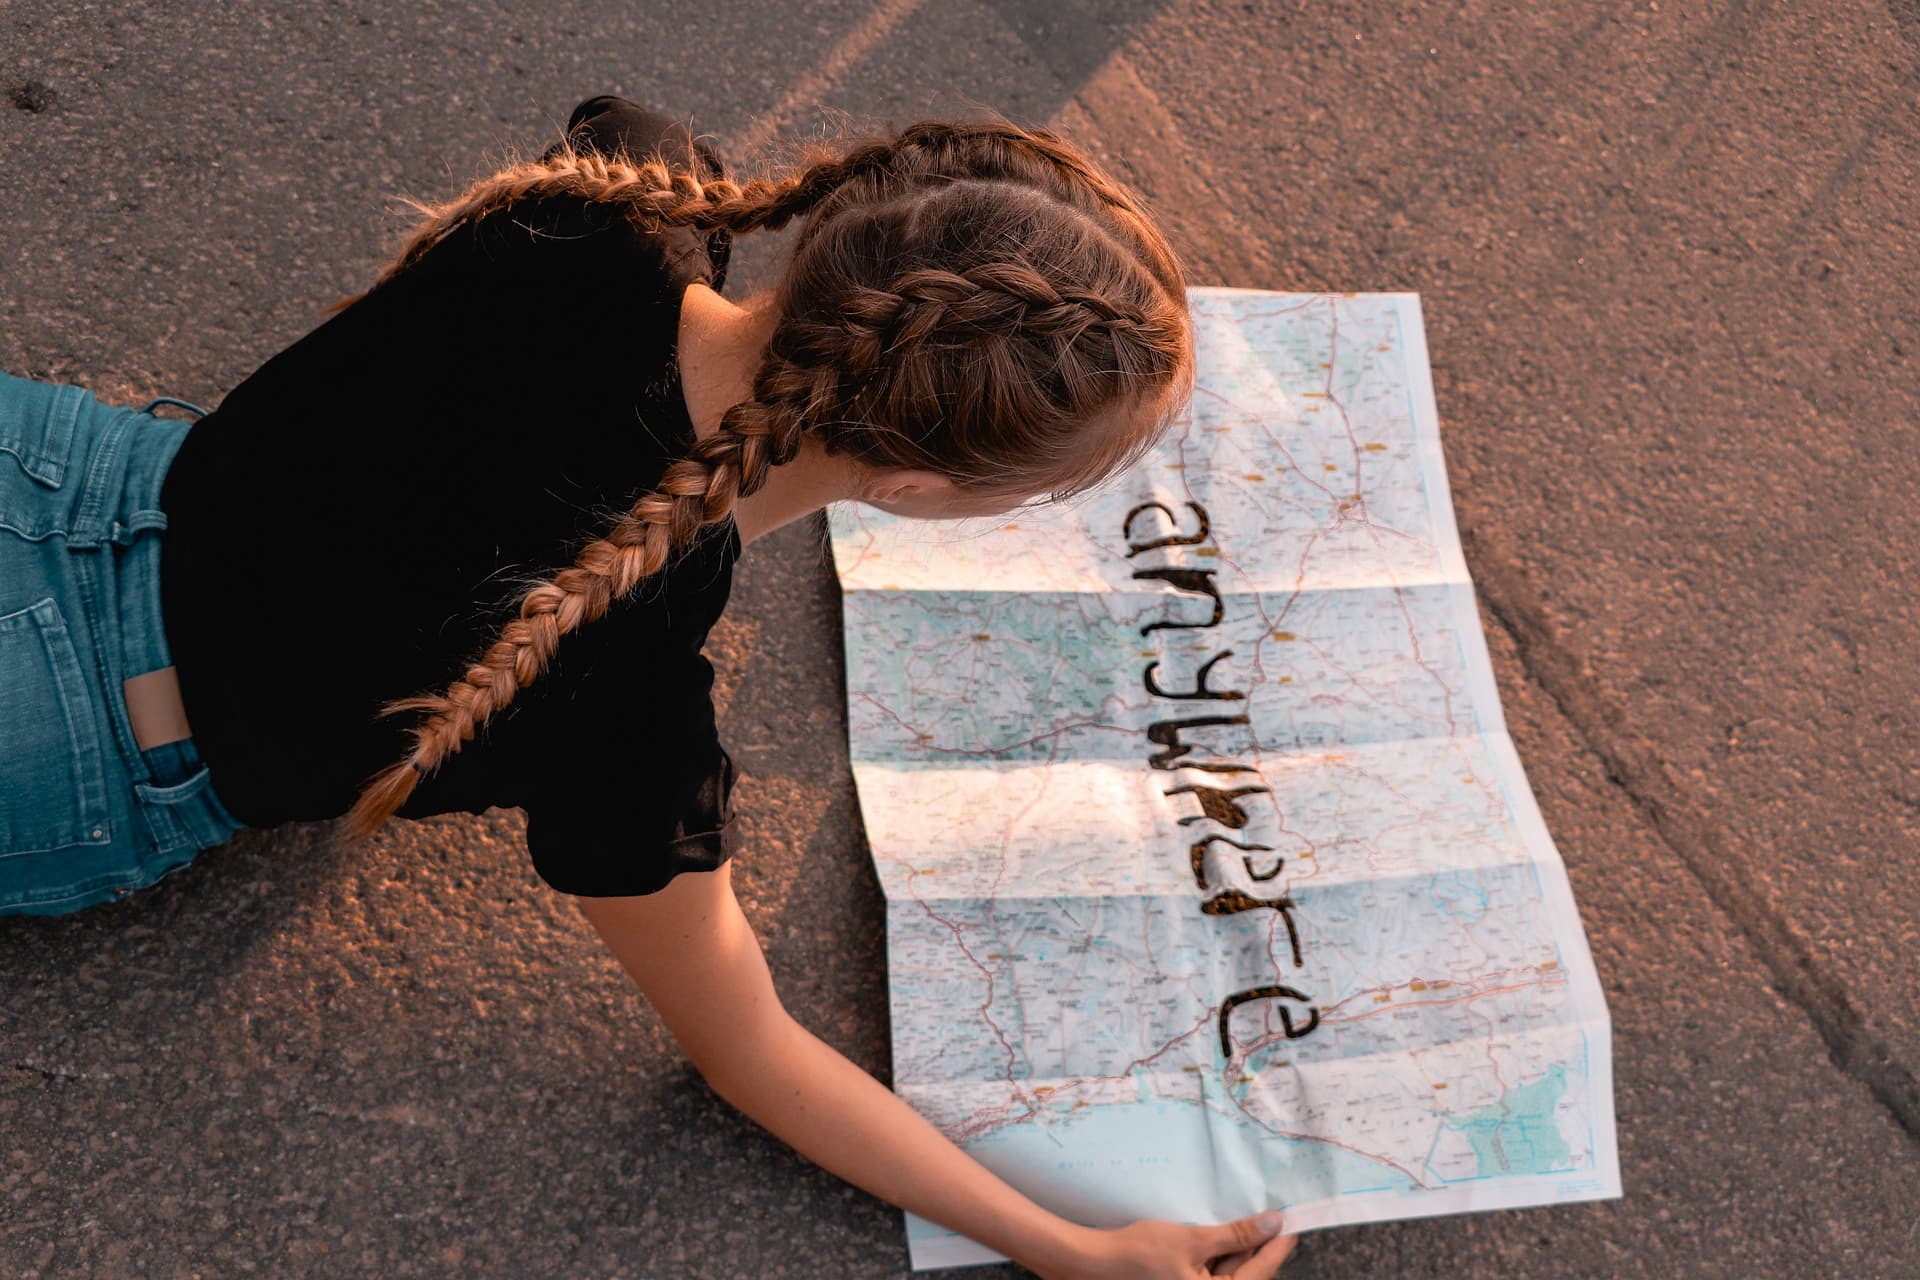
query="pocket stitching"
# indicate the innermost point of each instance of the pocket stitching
(44, 619)
(46, 459)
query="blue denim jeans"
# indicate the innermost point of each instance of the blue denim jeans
(86, 815)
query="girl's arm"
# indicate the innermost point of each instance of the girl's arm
(694, 956)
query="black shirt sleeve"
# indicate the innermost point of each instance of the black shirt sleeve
(630, 785)
(614, 126)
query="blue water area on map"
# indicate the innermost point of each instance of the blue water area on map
(1518, 1134)
(1150, 1160)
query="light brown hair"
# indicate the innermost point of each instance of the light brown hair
(963, 297)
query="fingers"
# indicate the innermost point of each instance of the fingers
(1242, 1235)
(1265, 1263)
(1228, 1265)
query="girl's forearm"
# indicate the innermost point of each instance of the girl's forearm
(823, 1106)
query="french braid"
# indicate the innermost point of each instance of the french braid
(849, 360)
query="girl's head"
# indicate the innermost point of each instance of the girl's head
(976, 300)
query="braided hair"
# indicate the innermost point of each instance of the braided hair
(963, 297)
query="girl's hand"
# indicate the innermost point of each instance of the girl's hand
(1151, 1249)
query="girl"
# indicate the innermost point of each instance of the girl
(361, 612)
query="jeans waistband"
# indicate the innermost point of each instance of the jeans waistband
(121, 488)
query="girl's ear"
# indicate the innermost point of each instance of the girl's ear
(895, 483)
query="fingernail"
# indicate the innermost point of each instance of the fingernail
(1269, 1222)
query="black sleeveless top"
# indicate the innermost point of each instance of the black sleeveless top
(359, 517)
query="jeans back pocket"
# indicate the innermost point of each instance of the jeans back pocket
(38, 423)
(52, 776)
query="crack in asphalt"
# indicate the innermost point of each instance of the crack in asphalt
(1634, 766)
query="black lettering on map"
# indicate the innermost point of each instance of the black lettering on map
(1198, 853)
(1177, 540)
(1197, 581)
(1167, 734)
(1293, 1029)
(1220, 805)
(1200, 690)
(1233, 902)
(1217, 804)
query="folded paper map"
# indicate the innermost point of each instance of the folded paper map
(1213, 881)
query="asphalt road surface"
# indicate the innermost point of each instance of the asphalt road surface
(1668, 256)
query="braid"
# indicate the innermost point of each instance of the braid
(696, 490)
(676, 197)
(654, 193)
(836, 347)
(1004, 293)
